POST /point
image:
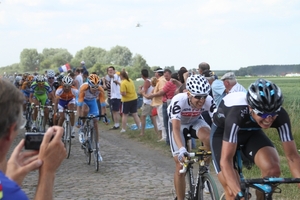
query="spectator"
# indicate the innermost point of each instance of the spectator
(46, 160)
(78, 79)
(84, 69)
(115, 95)
(157, 102)
(85, 76)
(146, 108)
(217, 87)
(129, 100)
(203, 66)
(231, 83)
(181, 77)
(167, 93)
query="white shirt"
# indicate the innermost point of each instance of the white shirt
(115, 88)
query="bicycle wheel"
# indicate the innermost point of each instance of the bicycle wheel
(67, 138)
(189, 180)
(87, 148)
(28, 118)
(95, 150)
(211, 186)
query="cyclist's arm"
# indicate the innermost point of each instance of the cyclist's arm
(293, 157)
(227, 168)
(176, 124)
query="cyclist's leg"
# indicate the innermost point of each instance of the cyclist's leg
(216, 139)
(260, 150)
(179, 179)
(202, 131)
(36, 102)
(60, 107)
(71, 106)
(46, 102)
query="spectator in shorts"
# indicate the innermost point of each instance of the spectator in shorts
(115, 96)
(146, 108)
(129, 100)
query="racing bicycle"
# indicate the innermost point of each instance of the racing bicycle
(67, 131)
(90, 145)
(195, 189)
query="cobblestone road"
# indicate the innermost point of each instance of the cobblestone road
(130, 170)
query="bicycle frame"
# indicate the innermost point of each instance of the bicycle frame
(203, 174)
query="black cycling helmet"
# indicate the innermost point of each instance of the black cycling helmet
(264, 96)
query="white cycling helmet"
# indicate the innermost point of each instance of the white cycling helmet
(40, 78)
(50, 73)
(197, 85)
(67, 80)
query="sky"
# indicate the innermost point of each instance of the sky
(227, 34)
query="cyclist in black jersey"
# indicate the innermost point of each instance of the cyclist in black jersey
(239, 121)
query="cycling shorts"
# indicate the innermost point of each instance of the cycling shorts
(26, 93)
(93, 107)
(43, 99)
(62, 104)
(194, 128)
(252, 141)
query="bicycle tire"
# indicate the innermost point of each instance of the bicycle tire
(189, 186)
(28, 118)
(87, 151)
(212, 187)
(95, 150)
(68, 139)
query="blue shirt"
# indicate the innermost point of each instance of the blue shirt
(10, 189)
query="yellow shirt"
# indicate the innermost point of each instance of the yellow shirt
(157, 101)
(129, 88)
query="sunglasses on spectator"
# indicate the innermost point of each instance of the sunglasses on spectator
(200, 97)
(264, 115)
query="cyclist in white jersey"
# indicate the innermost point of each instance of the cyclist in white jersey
(185, 113)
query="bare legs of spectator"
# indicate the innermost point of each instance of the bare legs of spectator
(135, 117)
(143, 124)
(116, 116)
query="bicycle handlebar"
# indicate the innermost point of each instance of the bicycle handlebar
(189, 159)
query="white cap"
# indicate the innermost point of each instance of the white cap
(82, 62)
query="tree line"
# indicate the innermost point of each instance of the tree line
(96, 60)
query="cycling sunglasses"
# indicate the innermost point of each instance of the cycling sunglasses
(94, 86)
(200, 97)
(264, 115)
(50, 77)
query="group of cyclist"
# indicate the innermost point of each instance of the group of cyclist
(237, 122)
(59, 92)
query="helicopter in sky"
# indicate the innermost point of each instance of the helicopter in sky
(138, 25)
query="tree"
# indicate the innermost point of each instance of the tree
(119, 56)
(91, 56)
(57, 57)
(30, 59)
